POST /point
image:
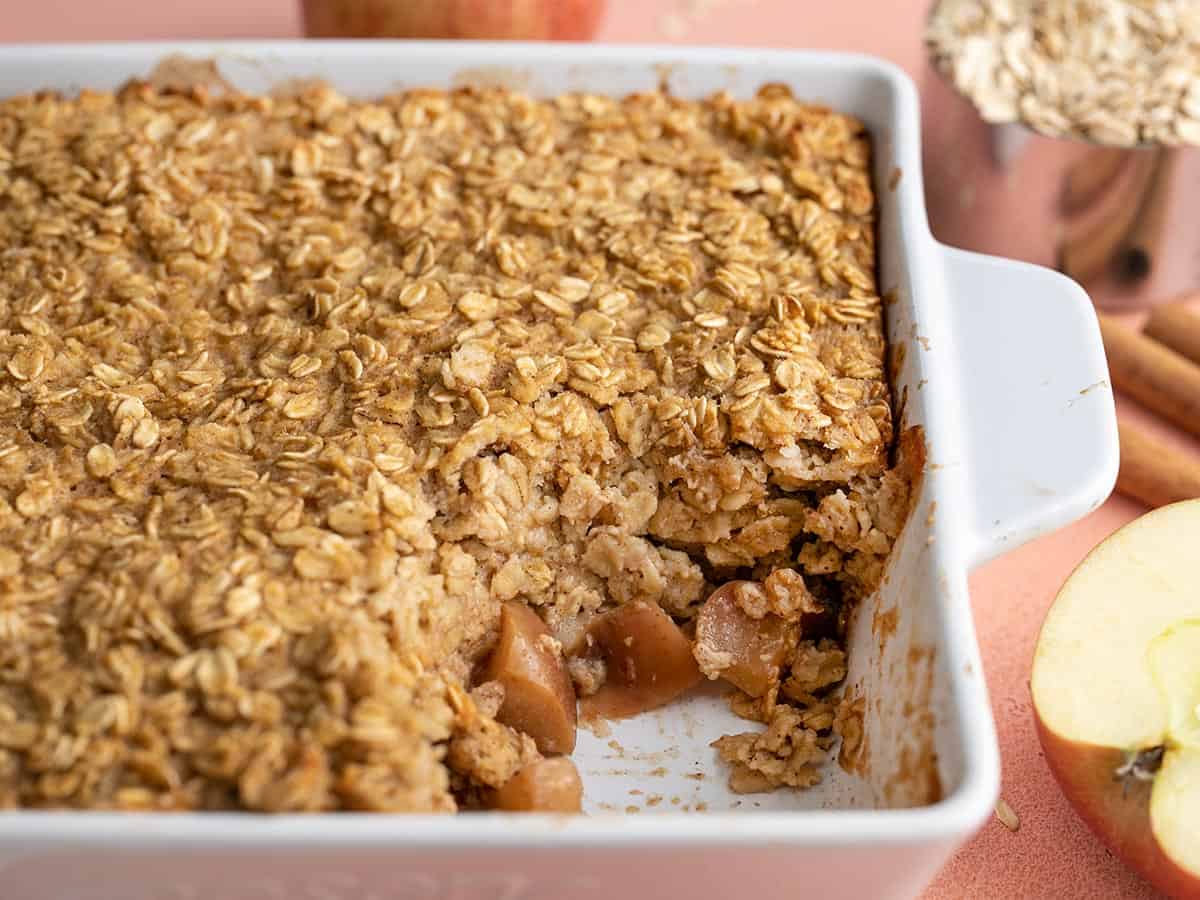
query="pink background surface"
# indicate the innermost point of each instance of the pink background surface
(972, 204)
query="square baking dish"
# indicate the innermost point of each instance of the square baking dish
(999, 364)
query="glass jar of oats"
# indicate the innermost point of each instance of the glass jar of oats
(1063, 135)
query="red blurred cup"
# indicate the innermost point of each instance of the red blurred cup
(516, 20)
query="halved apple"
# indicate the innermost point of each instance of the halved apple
(1116, 693)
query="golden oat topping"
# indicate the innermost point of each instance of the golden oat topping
(296, 392)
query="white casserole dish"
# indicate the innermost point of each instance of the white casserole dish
(1001, 365)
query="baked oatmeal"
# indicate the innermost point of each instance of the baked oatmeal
(344, 443)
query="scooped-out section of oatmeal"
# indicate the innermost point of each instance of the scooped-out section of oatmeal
(346, 446)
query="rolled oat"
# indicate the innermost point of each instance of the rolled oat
(297, 389)
(1118, 72)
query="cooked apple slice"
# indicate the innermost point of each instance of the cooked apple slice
(538, 697)
(647, 657)
(744, 651)
(1116, 690)
(548, 785)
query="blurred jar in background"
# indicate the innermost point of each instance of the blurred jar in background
(1018, 204)
(517, 20)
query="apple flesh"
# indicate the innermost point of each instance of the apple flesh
(1116, 694)
(1174, 660)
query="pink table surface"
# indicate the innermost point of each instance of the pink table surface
(1052, 855)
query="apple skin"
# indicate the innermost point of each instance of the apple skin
(1117, 812)
(555, 20)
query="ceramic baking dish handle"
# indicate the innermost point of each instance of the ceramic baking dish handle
(1040, 423)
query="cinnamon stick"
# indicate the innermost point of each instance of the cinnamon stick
(1157, 376)
(1176, 326)
(1155, 472)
